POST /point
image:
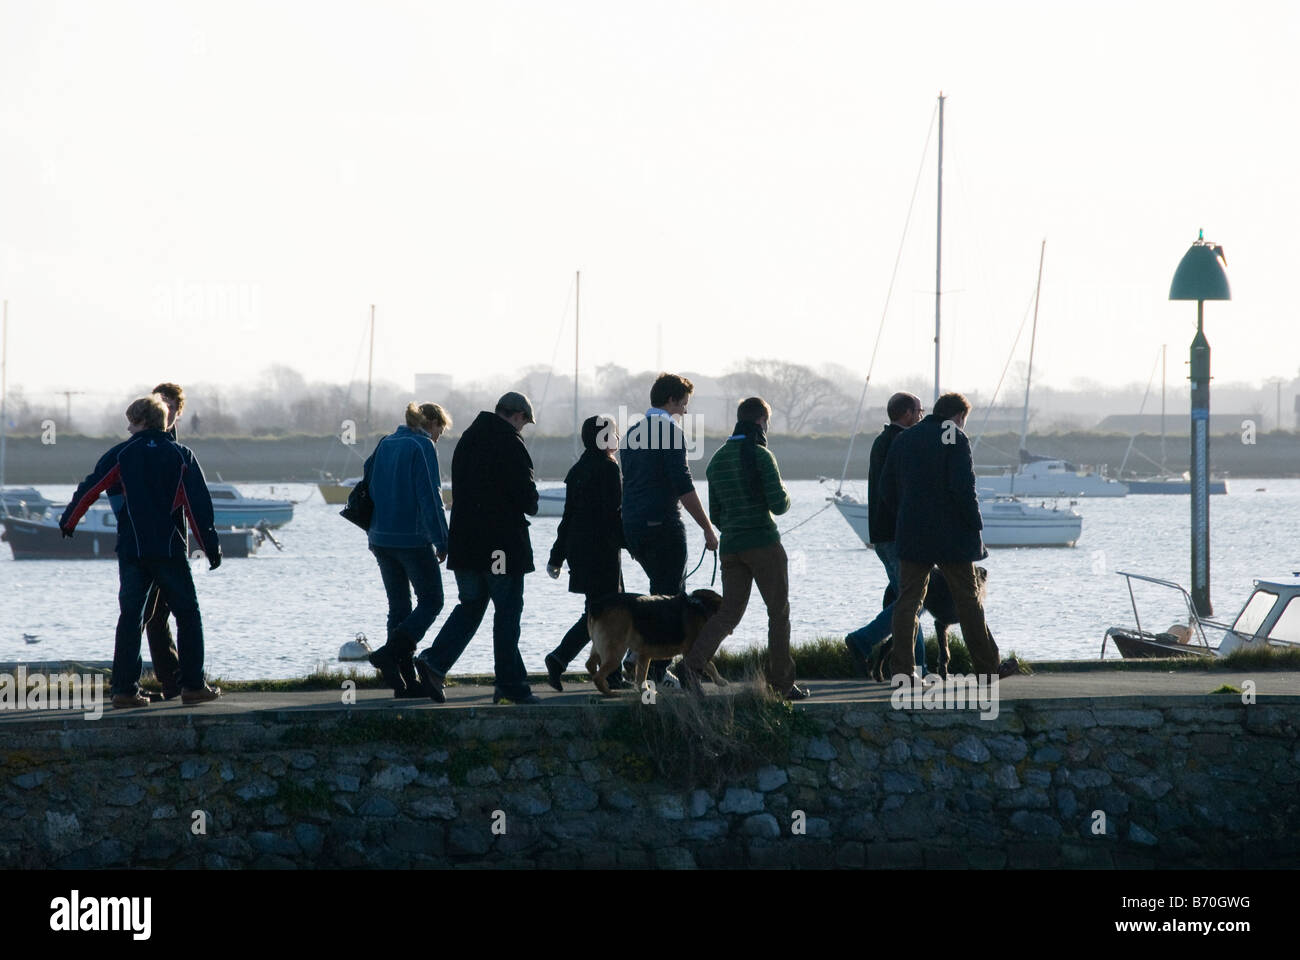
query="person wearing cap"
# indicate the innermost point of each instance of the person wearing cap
(493, 493)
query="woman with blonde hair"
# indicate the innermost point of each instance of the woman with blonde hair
(408, 536)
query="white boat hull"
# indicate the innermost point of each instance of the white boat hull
(1007, 523)
(550, 502)
(1049, 478)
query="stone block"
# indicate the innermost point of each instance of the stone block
(740, 800)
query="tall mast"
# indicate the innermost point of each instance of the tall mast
(1163, 349)
(577, 313)
(370, 372)
(1033, 338)
(938, 252)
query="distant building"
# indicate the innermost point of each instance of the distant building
(1175, 423)
(432, 387)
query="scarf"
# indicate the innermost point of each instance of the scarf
(751, 435)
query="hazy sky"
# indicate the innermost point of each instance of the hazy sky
(193, 191)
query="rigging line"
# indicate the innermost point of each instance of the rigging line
(889, 293)
(1142, 406)
(347, 398)
(555, 350)
(802, 522)
(1005, 367)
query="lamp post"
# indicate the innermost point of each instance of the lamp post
(1201, 275)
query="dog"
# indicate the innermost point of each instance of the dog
(654, 627)
(940, 605)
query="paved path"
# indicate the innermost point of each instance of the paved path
(1042, 686)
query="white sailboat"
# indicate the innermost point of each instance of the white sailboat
(1008, 522)
(550, 500)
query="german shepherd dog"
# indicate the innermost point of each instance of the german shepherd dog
(940, 605)
(655, 627)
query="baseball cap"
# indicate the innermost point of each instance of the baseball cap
(513, 402)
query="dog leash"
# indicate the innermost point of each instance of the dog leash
(714, 578)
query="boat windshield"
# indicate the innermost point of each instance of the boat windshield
(1287, 628)
(1254, 614)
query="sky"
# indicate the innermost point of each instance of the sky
(194, 191)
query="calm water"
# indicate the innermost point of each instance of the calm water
(281, 614)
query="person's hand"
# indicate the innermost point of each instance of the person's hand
(442, 556)
(710, 539)
(554, 571)
(214, 559)
(66, 531)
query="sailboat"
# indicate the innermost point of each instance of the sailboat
(1044, 476)
(1008, 522)
(337, 491)
(550, 500)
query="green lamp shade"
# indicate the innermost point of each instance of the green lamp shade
(1202, 274)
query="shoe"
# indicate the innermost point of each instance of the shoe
(670, 680)
(530, 699)
(1009, 667)
(204, 694)
(411, 683)
(153, 696)
(385, 661)
(554, 671)
(688, 678)
(616, 682)
(876, 664)
(172, 693)
(432, 682)
(796, 692)
(860, 662)
(123, 701)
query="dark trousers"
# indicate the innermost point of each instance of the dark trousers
(914, 578)
(768, 567)
(173, 580)
(661, 551)
(162, 648)
(476, 588)
(576, 638)
(404, 569)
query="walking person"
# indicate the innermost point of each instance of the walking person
(904, 410)
(408, 536)
(928, 483)
(492, 495)
(656, 480)
(162, 487)
(745, 490)
(590, 537)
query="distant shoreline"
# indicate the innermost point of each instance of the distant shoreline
(301, 459)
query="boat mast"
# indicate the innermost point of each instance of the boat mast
(938, 252)
(577, 312)
(1163, 348)
(1033, 337)
(370, 371)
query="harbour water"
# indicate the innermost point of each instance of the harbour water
(280, 614)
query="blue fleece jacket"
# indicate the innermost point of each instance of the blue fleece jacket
(407, 490)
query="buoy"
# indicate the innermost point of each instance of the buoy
(356, 649)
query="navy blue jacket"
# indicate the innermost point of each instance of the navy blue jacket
(407, 490)
(655, 472)
(161, 485)
(492, 495)
(880, 525)
(929, 487)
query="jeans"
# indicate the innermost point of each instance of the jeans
(769, 568)
(865, 638)
(475, 589)
(405, 569)
(162, 647)
(176, 585)
(661, 551)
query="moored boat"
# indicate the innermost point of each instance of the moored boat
(39, 538)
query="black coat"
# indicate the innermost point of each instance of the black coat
(492, 489)
(590, 535)
(880, 525)
(929, 487)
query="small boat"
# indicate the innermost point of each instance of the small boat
(1172, 485)
(23, 502)
(337, 491)
(1008, 522)
(550, 501)
(230, 508)
(1270, 617)
(1045, 477)
(39, 538)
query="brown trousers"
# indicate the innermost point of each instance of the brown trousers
(913, 579)
(162, 648)
(766, 566)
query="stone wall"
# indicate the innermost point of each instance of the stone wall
(1202, 782)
